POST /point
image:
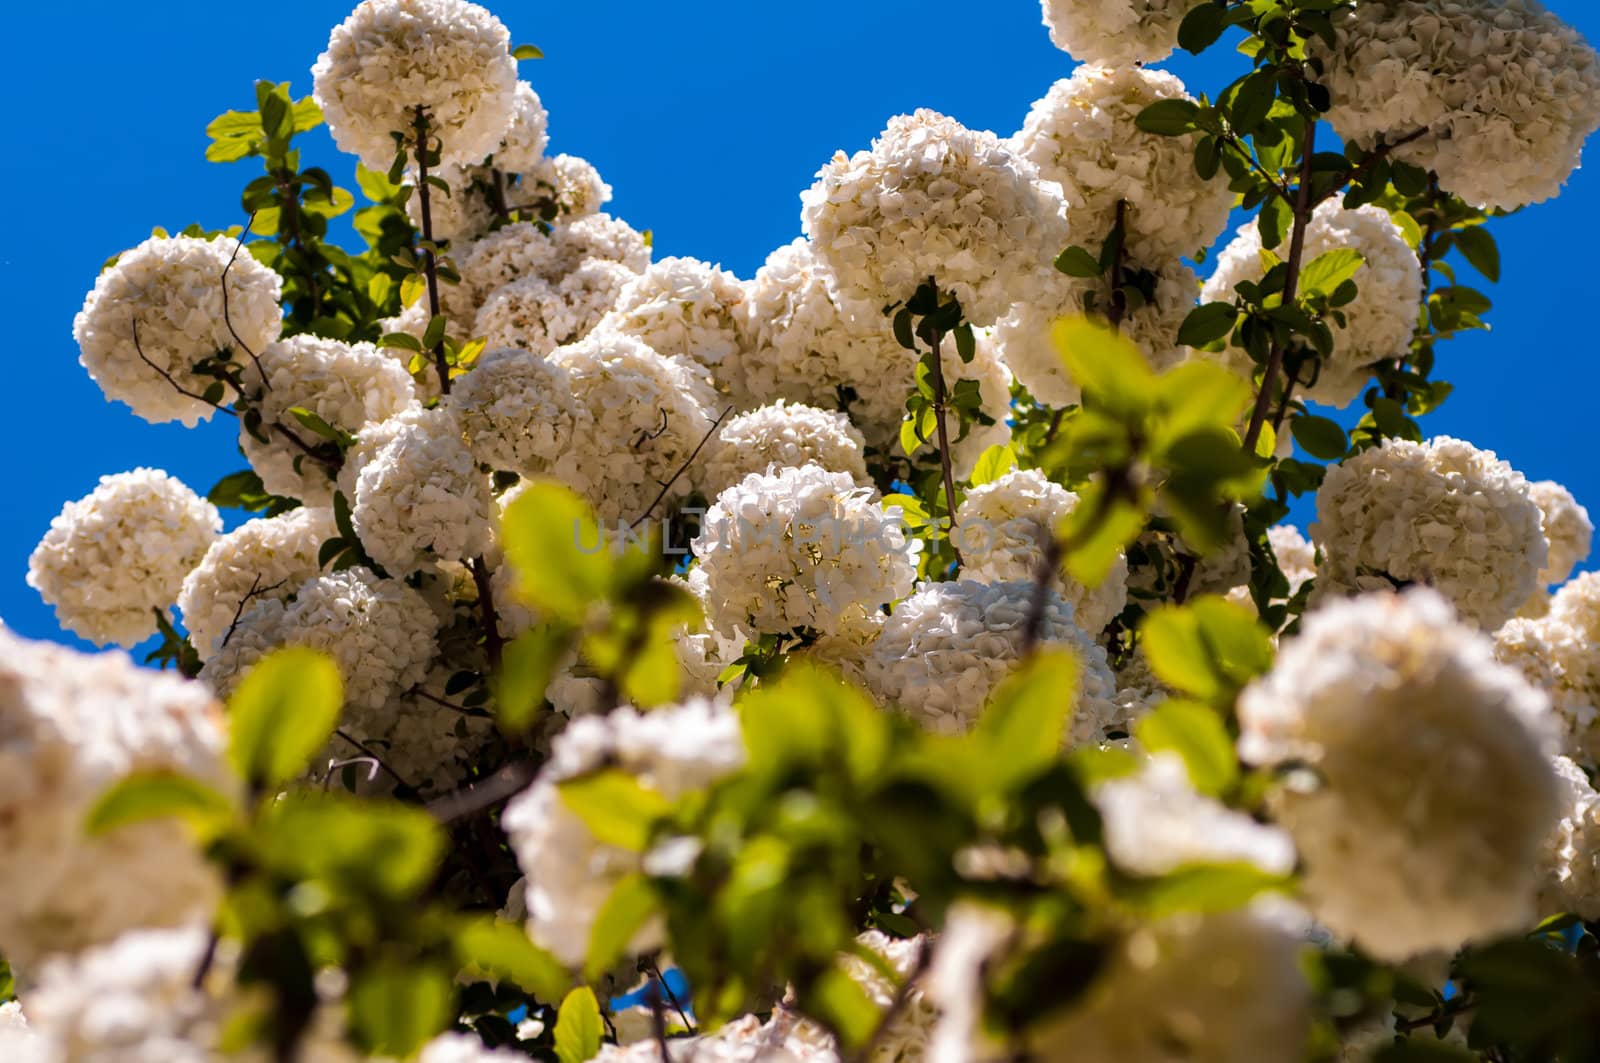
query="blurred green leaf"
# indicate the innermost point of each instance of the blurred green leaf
(284, 710)
(579, 1029)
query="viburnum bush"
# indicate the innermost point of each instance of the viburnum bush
(899, 655)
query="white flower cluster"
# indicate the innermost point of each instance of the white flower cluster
(1031, 354)
(516, 411)
(1429, 792)
(159, 309)
(416, 494)
(684, 307)
(643, 416)
(1003, 527)
(946, 647)
(521, 150)
(935, 199)
(269, 557)
(114, 558)
(1566, 528)
(1570, 860)
(1082, 136)
(72, 725)
(1442, 513)
(464, 1048)
(1560, 653)
(379, 632)
(572, 182)
(524, 250)
(1115, 32)
(450, 58)
(571, 873)
(779, 435)
(1211, 988)
(347, 385)
(802, 548)
(465, 214)
(1378, 322)
(537, 315)
(1506, 91)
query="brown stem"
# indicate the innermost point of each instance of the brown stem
(227, 318)
(478, 795)
(255, 589)
(169, 378)
(366, 751)
(1291, 285)
(430, 269)
(1232, 140)
(941, 426)
(695, 453)
(1377, 155)
(492, 642)
(1119, 300)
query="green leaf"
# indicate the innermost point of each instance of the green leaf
(502, 950)
(1168, 118)
(993, 463)
(1025, 722)
(526, 51)
(578, 1027)
(1196, 734)
(1478, 247)
(1207, 324)
(527, 665)
(1205, 888)
(284, 710)
(1320, 437)
(1208, 648)
(1330, 269)
(1111, 371)
(810, 716)
(1078, 262)
(1201, 27)
(552, 540)
(369, 848)
(631, 904)
(397, 1008)
(1098, 543)
(615, 807)
(1274, 221)
(159, 795)
(403, 340)
(1252, 100)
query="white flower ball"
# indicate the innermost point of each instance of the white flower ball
(1428, 790)
(602, 236)
(1507, 92)
(1115, 32)
(946, 647)
(415, 492)
(269, 557)
(1297, 558)
(572, 182)
(390, 57)
(1379, 322)
(641, 417)
(1002, 528)
(522, 148)
(685, 307)
(802, 549)
(460, 217)
(1442, 513)
(1570, 860)
(1024, 335)
(1566, 527)
(454, 1047)
(536, 315)
(169, 291)
(1557, 653)
(570, 872)
(1082, 136)
(116, 557)
(71, 726)
(780, 435)
(516, 411)
(350, 386)
(508, 254)
(935, 199)
(379, 632)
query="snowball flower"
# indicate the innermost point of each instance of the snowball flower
(1566, 527)
(347, 385)
(1002, 528)
(1082, 136)
(685, 307)
(114, 558)
(1115, 32)
(269, 557)
(535, 315)
(802, 548)
(71, 726)
(524, 249)
(570, 872)
(1442, 513)
(379, 632)
(416, 494)
(1378, 322)
(946, 647)
(1031, 354)
(935, 199)
(781, 435)
(1560, 654)
(1570, 860)
(1428, 790)
(571, 182)
(450, 58)
(516, 411)
(1506, 92)
(522, 148)
(642, 416)
(164, 300)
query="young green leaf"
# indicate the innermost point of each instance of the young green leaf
(615, 807)
(284, 710)
(631, 903)
(578, 1027)
(159, 795)
(1320, 437)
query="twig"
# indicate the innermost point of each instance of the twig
(372, 763)
(695, 453)
(1044, 576)
(1119, 301)
(646, 436)
(367, 751)
(941, 428)
(430, 268)
(654, 970)
(227, 319)
(492, 642)
(168, 377)
(417, 691)
(476, 796)
(1377, 155)
(658, 1023)
(255, 590)
(1232, 141)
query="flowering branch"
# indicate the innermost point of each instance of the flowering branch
(227, 318)
(940, 410)
(695, 453)
(430, 267)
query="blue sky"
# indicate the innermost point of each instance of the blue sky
(708, 118)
